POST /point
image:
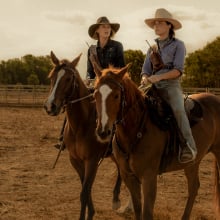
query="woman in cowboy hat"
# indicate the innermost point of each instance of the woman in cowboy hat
(167, 78)
(107, 51)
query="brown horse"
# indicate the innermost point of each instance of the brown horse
(138, 143)
(68, 90)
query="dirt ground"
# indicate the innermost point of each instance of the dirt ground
(31, 189)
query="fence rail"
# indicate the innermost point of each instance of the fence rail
(23, 95)
(34, 96)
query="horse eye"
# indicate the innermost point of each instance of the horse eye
(68, 79)
(116, 96)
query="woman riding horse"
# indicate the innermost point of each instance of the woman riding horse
(166, 78)
(139, 144)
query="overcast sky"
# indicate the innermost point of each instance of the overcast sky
(39, 26)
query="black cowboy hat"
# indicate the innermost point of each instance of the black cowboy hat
(102, 20)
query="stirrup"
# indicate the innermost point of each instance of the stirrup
(190, 154)
(60, 146)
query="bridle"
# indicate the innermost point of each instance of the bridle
(68, 99)
(121, 119)
(120, 116)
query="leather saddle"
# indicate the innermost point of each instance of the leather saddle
(162, 116)
(161, 113)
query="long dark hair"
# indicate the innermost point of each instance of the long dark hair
(171, 31)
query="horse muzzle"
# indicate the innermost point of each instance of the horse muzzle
(52, 109)
(103, 135)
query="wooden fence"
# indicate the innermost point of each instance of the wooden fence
(34, 96)
(23, 95)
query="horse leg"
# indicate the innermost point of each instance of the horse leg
(80, 168)
(217, 184)
(192, 175)
(116, 203)
(134, 188)
(149, 186)
(91, 168)
(128, 207)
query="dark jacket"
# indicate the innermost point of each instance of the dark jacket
(111, 54)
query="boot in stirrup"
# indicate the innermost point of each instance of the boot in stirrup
(187, 154)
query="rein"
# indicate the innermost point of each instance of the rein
(74, 86)
(121, 120)
(138, 136)
(80, 99)
(70, 102)
(123, 104)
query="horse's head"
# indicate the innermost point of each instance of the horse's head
(109, 96)
(63, 83)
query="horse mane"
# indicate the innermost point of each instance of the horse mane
(132, 93)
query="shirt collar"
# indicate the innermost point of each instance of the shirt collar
(107, 44)
(163, 43)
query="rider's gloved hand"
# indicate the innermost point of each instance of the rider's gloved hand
(144, 80)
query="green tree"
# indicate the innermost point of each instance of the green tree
(18, 71)
(38, 65)
(202, 67)
(136, 58)
(3, 73)
(33, 79)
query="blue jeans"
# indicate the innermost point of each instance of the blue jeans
(171, 92)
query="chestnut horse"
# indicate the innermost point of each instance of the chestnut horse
(85, 152)
(138, 143)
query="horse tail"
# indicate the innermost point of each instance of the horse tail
(217, 189)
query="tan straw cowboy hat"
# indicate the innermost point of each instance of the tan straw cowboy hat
(102, 20)
(162, 14)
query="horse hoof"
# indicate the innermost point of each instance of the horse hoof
(124, 210)
(116, 205)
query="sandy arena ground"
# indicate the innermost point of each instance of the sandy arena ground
(31, 189)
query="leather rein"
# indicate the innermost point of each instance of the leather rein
(68, 100)
(121, 120)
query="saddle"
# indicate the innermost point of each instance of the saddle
(162, 116)
(161, 113)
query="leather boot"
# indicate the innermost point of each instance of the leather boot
(187, 154)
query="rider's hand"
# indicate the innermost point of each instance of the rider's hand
(144, 80)
(87, 82)
(154, 78)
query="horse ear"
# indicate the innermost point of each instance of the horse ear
(124, 70)
(54, 58)
(97, 69)
(76, 60)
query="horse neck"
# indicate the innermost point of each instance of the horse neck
(81, 110)
(132, 116)
(128, 131)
